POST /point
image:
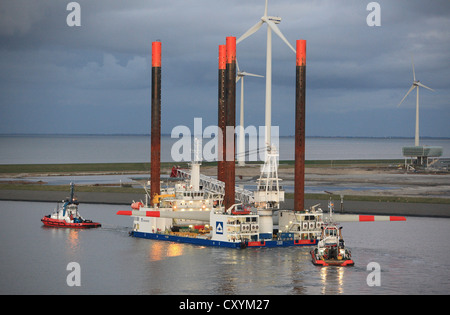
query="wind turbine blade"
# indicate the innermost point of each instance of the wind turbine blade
(252, 75)
(412, 88)
(414, 72)
(365, 218)
(237, 66)
(277, 31)
(420, 84)
(265, 9)
(252, 30)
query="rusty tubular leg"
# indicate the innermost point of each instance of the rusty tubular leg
(300, 93)
(221, 115)
(155, 155)
(229, 199)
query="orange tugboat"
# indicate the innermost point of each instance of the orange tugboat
(67, 216)
(331, 250)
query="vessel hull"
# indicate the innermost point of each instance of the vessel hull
(331, 262)
(63, 224)
(209, 242)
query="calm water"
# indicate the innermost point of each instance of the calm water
(414, 257)
(116, 149)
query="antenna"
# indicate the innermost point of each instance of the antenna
(330, 206)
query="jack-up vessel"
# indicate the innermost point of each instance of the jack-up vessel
(208, 211)
(193, 212)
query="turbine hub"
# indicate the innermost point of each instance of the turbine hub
(274, 19)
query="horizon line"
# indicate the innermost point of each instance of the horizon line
(167, 134)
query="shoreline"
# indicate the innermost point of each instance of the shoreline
(350, 207)
(366, 180)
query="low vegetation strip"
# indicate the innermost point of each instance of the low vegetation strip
(118, 189)
(70, 168)
(401, 199)
(145, 167)
(337, 163)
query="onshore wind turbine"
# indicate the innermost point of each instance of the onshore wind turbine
(271, 22)
(241, 75)
(415, 84)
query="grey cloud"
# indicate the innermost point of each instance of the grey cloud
(105, 63)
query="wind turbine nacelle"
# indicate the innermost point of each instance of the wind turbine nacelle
(274, 19)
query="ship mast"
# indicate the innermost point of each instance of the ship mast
(195, 165)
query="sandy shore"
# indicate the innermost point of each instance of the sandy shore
(364, 181)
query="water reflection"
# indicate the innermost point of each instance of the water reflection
(70, 236)
(155, 251)
(261, 271)
(174, 249)
(299, 270)
(332, 280)
(73, 240)
(159, 250)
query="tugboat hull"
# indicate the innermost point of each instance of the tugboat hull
(331, 262)
(62, 223)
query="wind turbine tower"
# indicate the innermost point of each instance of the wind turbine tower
(415, 85)
(422, 153)
(240, 76)
(271, 22)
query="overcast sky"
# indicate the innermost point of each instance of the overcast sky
(95, 78)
